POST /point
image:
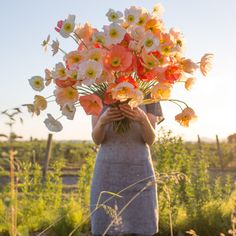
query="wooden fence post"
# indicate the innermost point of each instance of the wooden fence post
(219, 152)
(47, 157)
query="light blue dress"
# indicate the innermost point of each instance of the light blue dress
(121, 161)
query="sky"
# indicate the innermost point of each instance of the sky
(208, 27)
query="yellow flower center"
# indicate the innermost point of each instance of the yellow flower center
(149, 43)
(113, 16)
(70, 93)
(62, 72)
(74, 75)
(141, 21)
(113, 33)
(67, 27)
(90, 73)
(37, 83)
(100, 40)
(130, 18)
(115, 62)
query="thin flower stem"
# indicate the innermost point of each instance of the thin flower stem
(59, 117)
(50, 96)
(82, 41)
(62, 51)
(74, 39)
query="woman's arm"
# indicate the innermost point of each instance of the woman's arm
(98, 123)
(146, 121)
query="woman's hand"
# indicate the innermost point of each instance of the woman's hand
(98, 123)
(147, 125)
(135, 114)
(111, 114)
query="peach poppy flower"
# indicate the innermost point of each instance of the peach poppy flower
(106, 76)
(122, 91)
(84, 31)
(92, 104)
(40, 104)
(189, 83)
(188, 65)
(118, 58)
(72, 58)
(186, 116)
(150, 61)
(65, 83)
(161, 91)
(66, 95)
(206, 63)
(136, 98)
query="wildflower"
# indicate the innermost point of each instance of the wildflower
(37, 83)
(136, 98)
(158, 10)
(66, 27)
(89, 71)
(40, 104)
(132, 15)
(45, 43)
(48, 76)
(114, 16)
(150, 42)
(189, 83)
(186, 116)
(188, 65)
(66, 95)
(118, 58)
(59, 72)
(122, 91)
(114, 33)
(161, 91)
(68, 110)
(91, 103)
(55, 47)
(52, 124)
(206, 63)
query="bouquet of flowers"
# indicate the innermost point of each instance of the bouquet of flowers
(131, 57)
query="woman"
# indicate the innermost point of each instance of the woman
(122, 160)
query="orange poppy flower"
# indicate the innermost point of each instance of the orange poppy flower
(92, 104)
(65, 83)
(118, 58)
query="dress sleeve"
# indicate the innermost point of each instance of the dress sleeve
(155, 109)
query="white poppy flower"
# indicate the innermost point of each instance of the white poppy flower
(114, 16)
(132, 14)
(66, 27)
(150, 42)
(59, 72)
(37, 83)
(68, 110)
(99, 37)
(53, 124)
(89, 71)
(114, 33)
